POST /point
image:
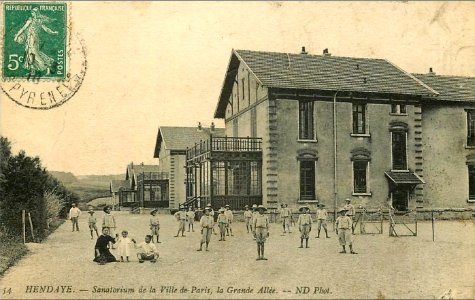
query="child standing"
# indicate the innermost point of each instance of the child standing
(124, 245)
(190, 217)
(261, 231)
(322, 216)
(147, 250)
(248, 218)
(92, 223)
(207, 224)
(154, 224)
(222, 223)
(181, 218)
(255, 213)
(229, 215)
(285, 216)
(343, 227)
(305, 225)
(108, 221)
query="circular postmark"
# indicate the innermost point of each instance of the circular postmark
(43, 63)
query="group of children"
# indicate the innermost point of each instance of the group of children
(256, 221)
(344, 224)
(145, 250)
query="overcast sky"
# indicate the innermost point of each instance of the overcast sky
(163, 63)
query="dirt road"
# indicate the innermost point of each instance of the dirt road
(410, 267)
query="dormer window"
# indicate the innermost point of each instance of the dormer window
(398, 109)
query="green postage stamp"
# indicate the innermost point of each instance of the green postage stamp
(43, 63)
(35, 40)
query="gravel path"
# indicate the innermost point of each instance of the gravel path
(408, 267)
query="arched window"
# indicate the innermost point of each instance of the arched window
(398, 145)
(360, 158)
(307, 160)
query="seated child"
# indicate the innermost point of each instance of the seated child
(147, 250)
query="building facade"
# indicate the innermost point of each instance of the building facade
(448, 137)
(331, 128)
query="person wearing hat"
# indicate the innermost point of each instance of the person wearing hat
(229, 214)
(181, 218)
(222, 223)
(255, 213)
(248, 218)
(305, 225)
(190, 218)
(285, 216)
(343, 225)
(261, 231)
(92, 220)
(74, 214)
(322, 216)
(154, 224)
(350, 211)
(211, 213)
(207, 224)
(108, 221)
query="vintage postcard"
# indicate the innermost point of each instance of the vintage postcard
(241, 150)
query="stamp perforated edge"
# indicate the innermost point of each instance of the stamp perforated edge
(68, 42)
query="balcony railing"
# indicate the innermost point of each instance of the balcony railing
(225, 144)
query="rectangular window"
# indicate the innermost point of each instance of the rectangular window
(235, 127)
(239, 175)
(402, 108)
(471, 182)
(307, 180)
(360, 174)
(359, 118)
(219, 178)
(399, 154)
(255, 178)
(306, 130)
(243, 89)
(470, 127)
(398, 109)
(253, 122)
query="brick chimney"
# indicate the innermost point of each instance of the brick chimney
(212, 127)
(303, 50)
(199, 126)
(326, 53)
(431, 71)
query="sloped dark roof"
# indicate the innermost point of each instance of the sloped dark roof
(404, 178)
(180, 138)
(322, 72)
(116, 185)
(450, 88)
(139, 168)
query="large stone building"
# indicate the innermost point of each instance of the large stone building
(304, 128)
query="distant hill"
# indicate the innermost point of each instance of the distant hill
(64, 177)
(88, 187)
(100, 180)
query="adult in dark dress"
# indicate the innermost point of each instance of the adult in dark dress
(102, 254)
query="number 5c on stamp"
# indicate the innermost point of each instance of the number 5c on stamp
(35, 40)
